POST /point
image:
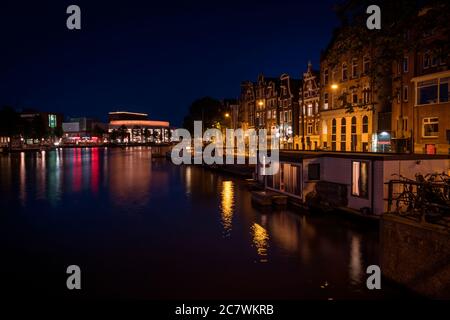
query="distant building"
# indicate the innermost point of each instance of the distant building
(83, 129)
(48, 123)
(310, 123)
(135, 127)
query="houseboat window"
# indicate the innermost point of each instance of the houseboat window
(314, 171)
(291, 179)
(360, 179)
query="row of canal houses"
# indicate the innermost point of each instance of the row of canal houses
(332, 145)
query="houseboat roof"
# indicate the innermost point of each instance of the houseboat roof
(294, 155)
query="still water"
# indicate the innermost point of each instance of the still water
(144, 228)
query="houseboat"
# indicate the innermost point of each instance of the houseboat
(355, 182)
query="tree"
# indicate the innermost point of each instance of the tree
(208, 110)
(9, 122)
(98, 131)
(122, 132)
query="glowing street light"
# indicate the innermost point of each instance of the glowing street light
(227, 115)
(334, 86)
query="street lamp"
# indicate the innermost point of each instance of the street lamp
(334, 87)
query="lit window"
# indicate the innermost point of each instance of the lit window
(365, 124)
(325, 101)
(360, 179)
(52, 121)
(430, 127)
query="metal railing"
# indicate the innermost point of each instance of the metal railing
(423, 199)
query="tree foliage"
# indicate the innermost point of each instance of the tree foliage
(206, 109)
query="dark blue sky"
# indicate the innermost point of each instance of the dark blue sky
(149, 57)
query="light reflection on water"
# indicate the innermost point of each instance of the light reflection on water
(179, 230)
(227, 204)
(260, 241)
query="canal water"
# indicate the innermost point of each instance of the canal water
(144, 228)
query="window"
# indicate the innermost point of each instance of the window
(427, 92)
(281, 116)
(325, 77)
(354, 141)
(343, 134)
(434, 61)
(310, 128)
(405, 64)
(354, 68)
(344, 72)
(405, 93)
(355, 98)
(366, 65)
(426, 60)
(325, 101)
(443, 90)
(269, 114)
(333, 134)
(430, 127)
(360, 179)
(314, 171)
(290, 116)
(285, 116)
(290, 177)
(366, 96)
(365, 124)
(52, 121)
(310, 110)
(405, 124)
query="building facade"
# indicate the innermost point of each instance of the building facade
(421, 108)
(132, 127)
(354, 117)
(310, 125)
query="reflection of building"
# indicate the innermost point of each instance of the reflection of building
(4, 142)
(137, 127)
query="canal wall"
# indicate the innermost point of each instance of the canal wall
(416, 255)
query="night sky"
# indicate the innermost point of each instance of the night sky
(149, 57)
